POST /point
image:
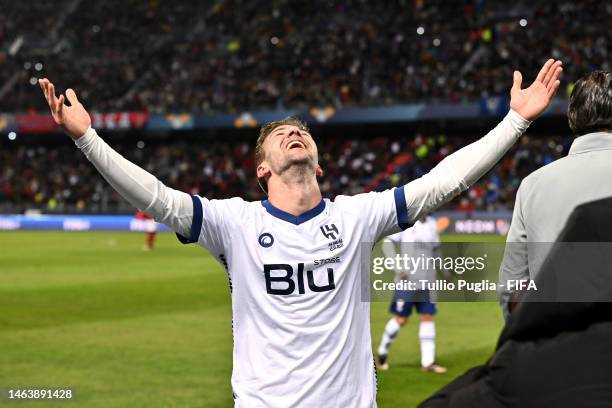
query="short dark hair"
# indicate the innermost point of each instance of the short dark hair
(590, 104)
(264, 132)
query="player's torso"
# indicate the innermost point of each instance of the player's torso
(299, 261)
(297, 305)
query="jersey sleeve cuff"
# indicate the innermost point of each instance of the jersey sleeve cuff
(401, 208)
(196, 224)
(519, 122)
(85, 140)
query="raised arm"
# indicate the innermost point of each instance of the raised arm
(461, 169)
(143, 190)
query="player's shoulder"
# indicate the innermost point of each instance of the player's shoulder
(545, 174)
(361, 199)
(235, 207)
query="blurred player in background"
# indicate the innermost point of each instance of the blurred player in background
(301, 330)
(421, 240)
(150, 228)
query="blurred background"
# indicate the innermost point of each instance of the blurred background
(388, 88)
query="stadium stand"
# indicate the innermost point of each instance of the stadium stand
(60, 179)
(232, 56)
(228, 56)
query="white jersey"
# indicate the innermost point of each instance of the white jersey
(301, 329)
(421, 240)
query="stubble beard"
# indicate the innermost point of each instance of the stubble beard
(298, 170)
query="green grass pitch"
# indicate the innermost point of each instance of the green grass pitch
(128, 328)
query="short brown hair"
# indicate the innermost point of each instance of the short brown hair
(590, 104)
(264, 132)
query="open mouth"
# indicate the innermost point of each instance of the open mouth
(295, 144)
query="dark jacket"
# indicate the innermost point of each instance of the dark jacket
(553, 354)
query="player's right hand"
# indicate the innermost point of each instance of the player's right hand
(74, 119)
(531, 102)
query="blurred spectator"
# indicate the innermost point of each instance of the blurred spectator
(60, 179)
(242, 55)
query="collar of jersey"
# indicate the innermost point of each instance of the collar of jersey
(293, 219)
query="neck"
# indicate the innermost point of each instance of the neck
(294, 192)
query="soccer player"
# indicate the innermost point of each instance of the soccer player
(150, 228)
(301, 331)
(421, 240)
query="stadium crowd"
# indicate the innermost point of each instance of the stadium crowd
(233, 55)
(60, 179)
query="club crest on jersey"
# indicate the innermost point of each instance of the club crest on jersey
(331, 232)
(266, 240)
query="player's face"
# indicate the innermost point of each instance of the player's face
(289, 146)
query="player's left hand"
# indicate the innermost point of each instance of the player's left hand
(531, 102)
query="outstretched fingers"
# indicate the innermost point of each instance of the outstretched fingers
(60, 104)
(552, 75)
(49, 94)
(41, 83)
(517, 80)
(553, 89)
(56, 105)
(44, 85)
(72, 98)
(49, 90)
(544, 70)
(53, 98)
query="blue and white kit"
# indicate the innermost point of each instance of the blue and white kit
(421, 240)
(301, 331)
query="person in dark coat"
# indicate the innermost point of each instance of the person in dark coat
(555, 350)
